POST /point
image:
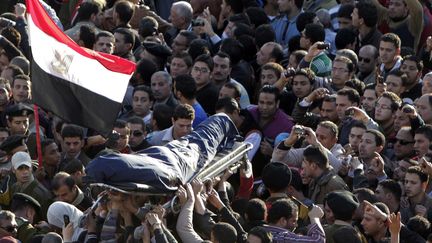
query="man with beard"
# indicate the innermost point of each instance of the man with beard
(404, 18)
(124, 42)
(105, 42)
(412, 67)
(389, 53)
(389, 192)
(369, 99)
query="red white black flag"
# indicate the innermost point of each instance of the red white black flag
(82, 86)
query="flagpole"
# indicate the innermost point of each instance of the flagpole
(38, 140)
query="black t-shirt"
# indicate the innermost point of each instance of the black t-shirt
(207, 96)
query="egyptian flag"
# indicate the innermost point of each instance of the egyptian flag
(81, 86)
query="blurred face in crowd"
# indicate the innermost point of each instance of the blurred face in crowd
(397, 9)
(268, 76)
(367, 60)
(51, 155)
(21, 91)
(124, 137)
(292, 62)
(4, 61)
(424, 108)
(66, 194)
(342, 103)
(394, 84)
(421, 144)
(371, 225)
(410, 69)
(284, 5)
(160, 87)
(4, 95)
(18, 125)
(9, 225)
(137, 134)
(181, 127)
(121, 47)
(264, 54)
(7, 73)
(326, 136)
(301, 86)
(345, 23)
(292, 222)
(400, 171)
(267, 105)
(141, 103)
(369, 99)
(368, 146)
(178, 67)
(355, 18)
(404, 145)
(413, 186)
(383, 111)
(72, 146)
(387, 52)
(201, 73)
(328, 111)
(340, 73)
(328, 214)
(401, 119)
(23, 174)
(381, 194)
(221, 69)
(427, 84)
(104, 44)
(175, 18)
(3, 136)
(227, 92)
(179, 44)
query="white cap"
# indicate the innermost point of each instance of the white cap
(21, 158)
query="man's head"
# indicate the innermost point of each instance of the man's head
(401, 169)
(311, 34)
(404, 146)
(22, 167)
(364, 14)
(8, 222)
(90, 11)
(386, 107)
(50, 152)
(424, 106)
(284, 214)
(202, 69)
(64, 187)
(269, 52)
(355, 135)
(276, 177)
(21, 88)
(124, 41)
(368, 59)
(302, 82)
(389, 48)
(123, 131)
(427, 83)
(315, 161)
(5, 92)
(372, 141)
(181, 63)
(396, 82)
(415, 182)
(161, 85)
(123, 12)
(344, 99)
(223, 233)
(369, 99)
(398, 10)
(230, 107)
(230, 90)
(268, 101)
(270, 73)
(423, 139)
(328, 109)
(105, 42)
(342, 203)
(344, 16)
(10, 71)
(342, 71)
(25, 206)
(182, 41)
(185, 87)
(373, 222)
(327, 134)
(287, 6)
(142, 100)
(412, 66)
(73, 140)
(18, 118)
(181, 14)
(183, 117)
(388, 191)
(137, 131)
(222, 67)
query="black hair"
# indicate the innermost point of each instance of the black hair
(256, 210)
(87, 35)
(124, 10)
(281, 208)
(144, 88)
(257, 16)
(224, 232)
(379, 137)
(392, 38)
(207, 59)
(314, 32)
(270, 89)
(198, 47)
(128, 36)
(418, 171)
(233, 48)
(393, 187)
(262, 234)
(70, 131)
(368, 12)
(185, 84)
(229, 105)
(316, 155)
(263, 34)
(345, 10)
(148, 26)
(162, 115)
(345, 37)
(303, 19)
(352, 95)
(146, 68)
(184, 111)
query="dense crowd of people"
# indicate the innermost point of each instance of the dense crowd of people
(334, 95)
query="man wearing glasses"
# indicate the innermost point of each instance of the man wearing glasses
(367, 64)
(207, 92)
(385, 110)
(138, 133)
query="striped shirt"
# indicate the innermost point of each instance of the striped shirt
(280, 235)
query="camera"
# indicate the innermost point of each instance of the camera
(350, 112)
(289, 72)
(324, 46)
(380, 79)
(299, 131)
(197, 22)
